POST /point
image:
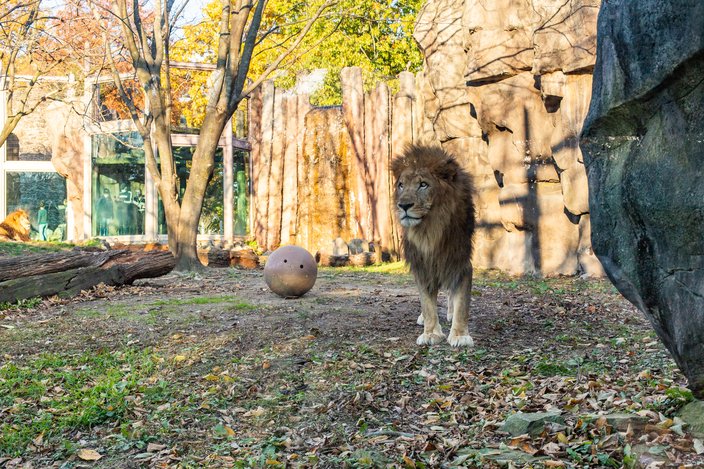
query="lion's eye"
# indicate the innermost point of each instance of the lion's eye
(400, 185)
(423, 185)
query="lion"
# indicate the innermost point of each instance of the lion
(16, 227)
(433, 197)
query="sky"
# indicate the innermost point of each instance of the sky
(192, 12)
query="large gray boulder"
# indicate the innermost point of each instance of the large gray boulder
(643, 145)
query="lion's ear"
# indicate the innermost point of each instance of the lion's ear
(398, 164)
(448, 170)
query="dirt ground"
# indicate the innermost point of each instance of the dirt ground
(238, 377)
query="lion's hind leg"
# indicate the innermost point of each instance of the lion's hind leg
(459, 299)
(432, 332)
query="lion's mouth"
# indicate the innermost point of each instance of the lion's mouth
(407, 220)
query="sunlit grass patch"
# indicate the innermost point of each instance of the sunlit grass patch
(39, 247)
(233, 302)
(398, 267)
(35, 247)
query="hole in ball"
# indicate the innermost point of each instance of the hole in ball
(301, 266)
(285, 261)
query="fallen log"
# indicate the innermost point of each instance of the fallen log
(68, 273)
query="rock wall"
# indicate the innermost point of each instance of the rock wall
(506, 88)
(643, 149)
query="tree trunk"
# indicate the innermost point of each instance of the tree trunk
(68, 273)
(187, 237)
(192, 204)
(27, 266)
(172, 213)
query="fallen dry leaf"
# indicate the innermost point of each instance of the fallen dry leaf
(554, 464)
(698, 446)
(259, 411)
(550, 448)
(88, 454)
(154, 447)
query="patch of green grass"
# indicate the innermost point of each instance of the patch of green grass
(235, 302)
(39, 247)
(35, 247)
(114, 310)
(542, 286)
(548, 368)
(675, 398)
(399, 267)
(153, 313)
(28, 303)
(56, 394)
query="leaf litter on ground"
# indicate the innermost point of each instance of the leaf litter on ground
(335, 379)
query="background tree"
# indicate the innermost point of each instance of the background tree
(371, 34)
(28, 51)
(146, 38)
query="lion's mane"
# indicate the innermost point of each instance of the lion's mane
(438, 249)
(15, 227)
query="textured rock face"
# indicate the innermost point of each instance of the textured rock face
(643, 150)
(506, 87)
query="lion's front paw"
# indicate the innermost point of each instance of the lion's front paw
(430, 339)
(420, 321)
(460, 340)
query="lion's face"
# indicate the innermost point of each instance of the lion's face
(16, 226)
(21, 218)
(414, 196)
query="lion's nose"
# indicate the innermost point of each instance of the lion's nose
(405, 207)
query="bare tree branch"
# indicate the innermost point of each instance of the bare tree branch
(273, 66)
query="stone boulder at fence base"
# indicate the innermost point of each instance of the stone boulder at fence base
(643, 144)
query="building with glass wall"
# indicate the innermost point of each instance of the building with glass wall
(119, 198)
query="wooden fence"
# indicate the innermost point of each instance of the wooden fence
(321, 173)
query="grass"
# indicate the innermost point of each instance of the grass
(223, 396)
(18, 249)
(392, 268)
(558, 286)
(27, 303)
(546, 368)
(154, 313)
(41, 247)
(236, 303)
(57, 393)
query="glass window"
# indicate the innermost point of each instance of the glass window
(43, 197)
(241, 182)
(212, 215)
(118, 184)
(12, 148)
(240, 124)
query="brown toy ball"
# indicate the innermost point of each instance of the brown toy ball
(290, 271)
